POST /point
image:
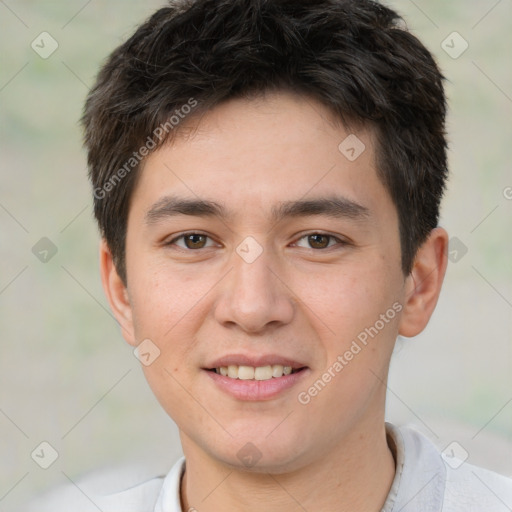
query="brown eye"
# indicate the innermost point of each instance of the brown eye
(319, 241)
(195, 241)
(191, 241)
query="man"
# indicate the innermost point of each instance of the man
(267, 177)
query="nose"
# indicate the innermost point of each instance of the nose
(254, 296)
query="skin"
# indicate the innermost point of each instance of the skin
(297, 299)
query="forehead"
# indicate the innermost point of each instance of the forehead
(257, 154)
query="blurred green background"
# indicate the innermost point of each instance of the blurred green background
(68, 378)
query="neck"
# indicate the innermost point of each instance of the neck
(354, 475)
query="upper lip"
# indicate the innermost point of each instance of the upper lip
(254, 361)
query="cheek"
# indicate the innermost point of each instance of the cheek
(357, 357)
(362, 312)
(163, 299)
(352, 299)
(169, 307)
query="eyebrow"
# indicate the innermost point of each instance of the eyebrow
(332, 206)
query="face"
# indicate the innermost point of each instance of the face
(256, 242)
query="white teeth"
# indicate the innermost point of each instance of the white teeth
(263, 373)
(250, 373)
(277, 370)
(233, 371)
(245, 372)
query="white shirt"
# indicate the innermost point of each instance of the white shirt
(425, 481)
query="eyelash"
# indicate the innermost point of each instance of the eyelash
(331, 237)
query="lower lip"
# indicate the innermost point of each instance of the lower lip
(256, 389)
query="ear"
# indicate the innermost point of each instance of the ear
(117, 293)
(423, 285)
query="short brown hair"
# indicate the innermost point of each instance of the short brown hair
(354, 56)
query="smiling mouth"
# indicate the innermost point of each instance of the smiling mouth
(268, 372)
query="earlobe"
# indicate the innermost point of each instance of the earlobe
(117, 293)
(423, 285)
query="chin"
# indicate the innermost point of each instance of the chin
(262, 454)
